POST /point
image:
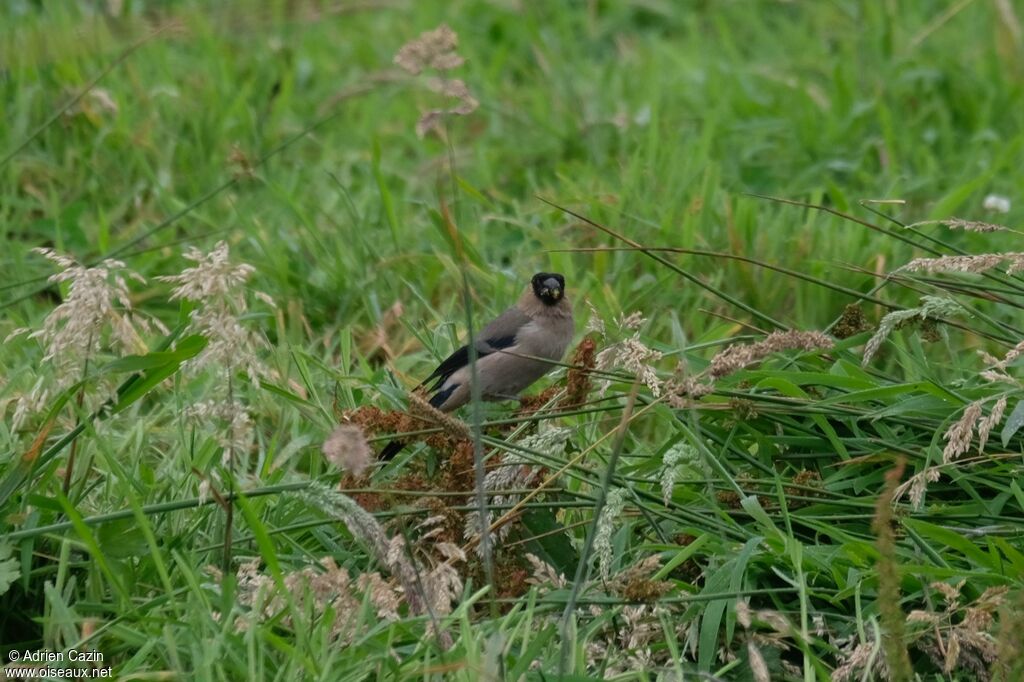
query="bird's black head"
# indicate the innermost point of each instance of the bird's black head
(549, 287)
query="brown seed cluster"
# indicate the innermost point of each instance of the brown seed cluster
(578, 383)
(852, 322)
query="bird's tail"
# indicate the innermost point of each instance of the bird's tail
(392, 449)
(396, 446)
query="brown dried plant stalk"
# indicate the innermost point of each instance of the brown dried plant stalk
(889, 578)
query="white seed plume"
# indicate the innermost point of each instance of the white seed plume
(932, 307)
(217, 286)
(678, 454)
(958, 436)
(606, 524)
(986, 424)
(515, 471)
(347, 448)
(96, 315)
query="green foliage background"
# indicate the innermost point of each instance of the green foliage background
(285, 129)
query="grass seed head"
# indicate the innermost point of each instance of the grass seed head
(347, 449)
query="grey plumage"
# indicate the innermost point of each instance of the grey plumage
(513, 351)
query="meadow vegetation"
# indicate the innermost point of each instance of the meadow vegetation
(786, 443)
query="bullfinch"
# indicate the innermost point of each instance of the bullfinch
(518, 347)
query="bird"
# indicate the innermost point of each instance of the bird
(514, 350)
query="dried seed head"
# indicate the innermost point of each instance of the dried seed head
(431, 50)
(218, 287)
(96, 315)
(634, 357)
(916, 486)
(986, 424)
(679, 455)
(347, 448)
(966, 225)
(595, 324)
(235, 425)
(931, 308)
(976, 263)
(544, 574)
(75, 328)
(606, 525)
(738, 356)
(213, 277)
(958, 436)
(515, 472)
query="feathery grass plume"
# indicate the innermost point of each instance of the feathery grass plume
(961, 224)
(330, 588)
(994, 377)
(632, 322)
(218, 288)
(385, 596)
(434, 49)
(347, 449)
(916, 486)
(958, 436)
(779, 636)
(606, 525)
(431, 120)
(235, 432)
(976, 263)
(758, 667)
(958, 439)
(733, 358)
(544, 575)
(679, 456)
(437, 50)
(436, 525)
(515, 472)
(390, 552)
(986, 424)
(888, 578)
(681, 389)
(74, 329)
(630, 354)
(996, 373)
(861, 658)
(95, 315)
(623, 648)
(958, 638)
(595, 323)
(741, 355)
(430, 592)
(442, 583)
(1011, 356)
(931, 308)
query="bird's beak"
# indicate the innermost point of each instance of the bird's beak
(552, 287)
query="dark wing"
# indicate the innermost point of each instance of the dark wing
(498, 335)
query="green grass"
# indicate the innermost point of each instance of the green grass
(284, 129)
